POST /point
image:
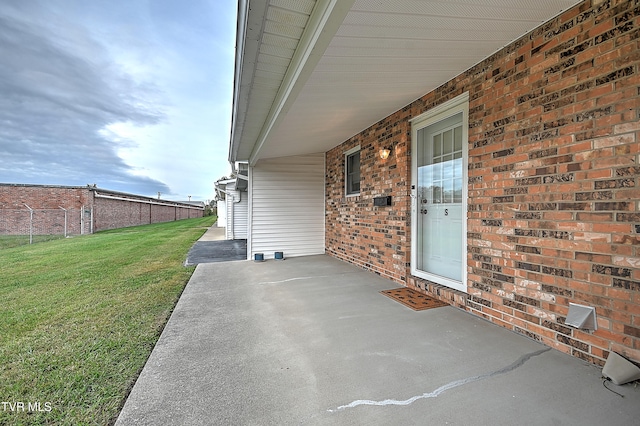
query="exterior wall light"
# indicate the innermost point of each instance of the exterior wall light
(384, 153)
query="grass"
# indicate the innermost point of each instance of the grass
(80, 316)
(9, 241)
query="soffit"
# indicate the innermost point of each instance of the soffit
(273, 31)
(384, 55)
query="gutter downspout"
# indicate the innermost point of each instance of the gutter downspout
(230, 193)
(230, 211)
(250, 213)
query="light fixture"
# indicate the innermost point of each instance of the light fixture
(384, 153)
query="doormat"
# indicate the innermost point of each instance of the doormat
(413, 299)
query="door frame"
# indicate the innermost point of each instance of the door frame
(460, 104)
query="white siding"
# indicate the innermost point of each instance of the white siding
(237, 214)
(287, 206)
(240, 214)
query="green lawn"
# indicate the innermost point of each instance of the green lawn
(80, 316)
(9, 241)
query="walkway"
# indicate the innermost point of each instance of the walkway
(312, 341)
(212, 247)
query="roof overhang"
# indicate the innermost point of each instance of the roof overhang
(312, 73)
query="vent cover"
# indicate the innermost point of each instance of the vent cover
(581, 316)
(382, 201)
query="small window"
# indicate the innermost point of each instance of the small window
(352, 171)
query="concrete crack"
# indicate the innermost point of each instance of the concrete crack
(301, 278)
(290, 279)
(518, 363)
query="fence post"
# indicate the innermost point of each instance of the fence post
(65, 221)
(30, 224)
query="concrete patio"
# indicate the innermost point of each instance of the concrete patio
(311, 340)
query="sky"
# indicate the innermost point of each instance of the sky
(130, 95)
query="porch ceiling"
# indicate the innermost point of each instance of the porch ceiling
(312, 73)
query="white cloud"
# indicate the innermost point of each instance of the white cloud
(134, 96)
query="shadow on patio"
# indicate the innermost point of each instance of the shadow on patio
(214, 247)
(311, 340)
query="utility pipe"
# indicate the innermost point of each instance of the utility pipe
(30, 224)
(65, 221)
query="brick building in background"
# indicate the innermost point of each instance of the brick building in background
(510, 189)
(87, 209)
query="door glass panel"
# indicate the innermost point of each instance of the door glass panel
(457, 146)
(439, 197)
(437, 145)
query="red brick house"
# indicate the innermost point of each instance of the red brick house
(486, 154)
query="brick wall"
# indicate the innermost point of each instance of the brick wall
(43, 197)
(109, 212)
(375, 238)
(554, 204)
(47, 203)
(112, 214)
(117, 210)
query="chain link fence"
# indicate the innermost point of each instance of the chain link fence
(28, 226)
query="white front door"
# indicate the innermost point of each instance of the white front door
(439, 199)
